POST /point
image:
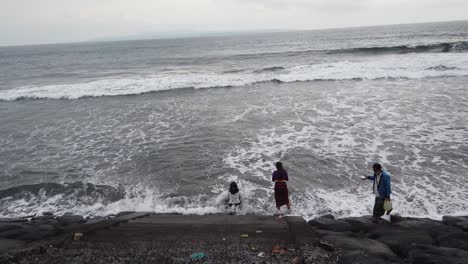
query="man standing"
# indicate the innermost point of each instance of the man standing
(381, 189)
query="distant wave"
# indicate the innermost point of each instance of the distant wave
(270, 69)
(441, 68)
(411, 66)
(436, 47)
(459, 46)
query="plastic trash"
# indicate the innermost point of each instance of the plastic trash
(259, 231)
(296, 260)
(278, 249)
(261, 254)
(77, 236)
(386, 217)
(327, 246)
(244, 235)
(198, 256)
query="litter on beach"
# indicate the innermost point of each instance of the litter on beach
(77, 236)
(259, 231)
(278, 249)
(261, 254)
(198, 256)
(244, 235)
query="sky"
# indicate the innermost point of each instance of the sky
(25, 22)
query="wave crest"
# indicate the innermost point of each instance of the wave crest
(460, 46)
(410, 66)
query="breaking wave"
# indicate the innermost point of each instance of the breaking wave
(460, 46)
(410, 66)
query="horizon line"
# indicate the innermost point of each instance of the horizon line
(216, 33)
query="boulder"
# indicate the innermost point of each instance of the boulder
(399, 240)
(31, 233)
(322, 233)
(362, 257)
(6, 244)
(372, 247)
(330, 224)
(314, 255)
(48, 219)
(452, 220)
(329, 216)
(95, 220)
(463, 225)
(13, 220)
(8, 227)
(437, 255)
(454, 240)
(125, 213)
(361, 224)
(418, 224)
(70, 219)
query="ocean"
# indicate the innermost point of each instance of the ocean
(165, 125)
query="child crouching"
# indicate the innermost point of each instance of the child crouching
(234, 198)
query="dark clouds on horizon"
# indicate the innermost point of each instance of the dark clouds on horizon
(51, 21)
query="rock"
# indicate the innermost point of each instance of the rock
(6, 244)
(360, 257)
(401, 240)
(70, 219)
(13, 234)
(31, 233)
(360, 224)
(370, 246)
(7, 227)
(394, 219)
(330, 224)
(437, 255)
(329, 216)
(43, 219)
(125, 213)
(95, 219)
(326, 246)
(315, 255)
(13, 220)
(420, 224)
(322, 233)
(454, 240)
(463, 225)
(452, 220)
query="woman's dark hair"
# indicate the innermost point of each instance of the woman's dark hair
(233, 188)
(377, 166)
(279, 166)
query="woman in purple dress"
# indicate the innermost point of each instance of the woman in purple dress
(280, 177)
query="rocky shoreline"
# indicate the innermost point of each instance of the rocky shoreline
(52, 239)
(404, 240)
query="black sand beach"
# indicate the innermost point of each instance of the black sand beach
(139, 237)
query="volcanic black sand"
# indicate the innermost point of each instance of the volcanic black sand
(139, 237)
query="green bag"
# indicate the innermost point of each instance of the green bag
(387, 206)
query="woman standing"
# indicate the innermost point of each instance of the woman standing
(280, 177)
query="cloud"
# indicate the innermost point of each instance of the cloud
(42, 21)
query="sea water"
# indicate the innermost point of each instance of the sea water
(166, 125)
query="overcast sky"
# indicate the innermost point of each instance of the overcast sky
(53, 21)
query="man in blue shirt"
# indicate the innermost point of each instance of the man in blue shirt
(381, 189)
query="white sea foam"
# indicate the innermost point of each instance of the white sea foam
(389, 66)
